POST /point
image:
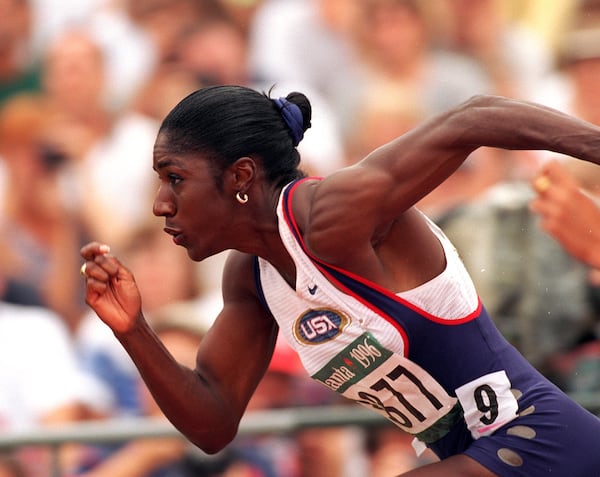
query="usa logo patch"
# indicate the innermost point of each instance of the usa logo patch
(319, 325)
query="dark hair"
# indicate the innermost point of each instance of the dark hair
(229, 122)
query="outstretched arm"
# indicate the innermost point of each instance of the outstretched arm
(567, 213)
(397, 175)
(206, 404)
(420, 160)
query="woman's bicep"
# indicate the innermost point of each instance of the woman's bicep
(408, 168)
(401, 172)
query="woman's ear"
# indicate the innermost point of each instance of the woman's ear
(241, 174)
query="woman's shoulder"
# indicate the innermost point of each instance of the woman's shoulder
(239, 275)
(299, 196)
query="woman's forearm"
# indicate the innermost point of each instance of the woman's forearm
(517, 125)
(186, 398)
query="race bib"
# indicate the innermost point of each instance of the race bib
(392, 385)
(488, 403)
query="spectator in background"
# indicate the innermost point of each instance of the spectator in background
(536, 292)
(569, 210)
(242, 13)
(39, 234)
(215, 51)
(275, 454)
(102, 146)
(306, 44)
(41, 382)
(43, 330)
(573, 89)
(381, 118)
(573, 86)
(565, 207)
(19, 69)
(549, 24)
(162, 27)
(400, 60)
(203, 54)
(512, 55)
(74, 83)
(130, 55)
(333, 451)
(162, 91)
(167, 21)
(51, 18)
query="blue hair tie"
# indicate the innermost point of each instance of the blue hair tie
(292, 115)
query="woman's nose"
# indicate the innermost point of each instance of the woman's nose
(162, 207)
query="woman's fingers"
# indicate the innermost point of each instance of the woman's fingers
(99, 264)
(94, 249)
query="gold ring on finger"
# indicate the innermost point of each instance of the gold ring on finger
(542, 184)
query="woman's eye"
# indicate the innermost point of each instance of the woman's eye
(174, 179)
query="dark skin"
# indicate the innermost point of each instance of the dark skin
(380, 237)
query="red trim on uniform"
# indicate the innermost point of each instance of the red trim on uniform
(369, 305)
(420, 311)
(292, 224)
(443, 321)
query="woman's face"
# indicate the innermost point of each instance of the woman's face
(392, 33)
(197, 213)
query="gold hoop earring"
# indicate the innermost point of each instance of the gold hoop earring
(241, 197)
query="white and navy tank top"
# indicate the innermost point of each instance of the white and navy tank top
(429, 359)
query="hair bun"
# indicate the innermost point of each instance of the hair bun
(300, 100)
(296, 114)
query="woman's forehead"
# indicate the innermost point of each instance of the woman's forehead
(193, 164)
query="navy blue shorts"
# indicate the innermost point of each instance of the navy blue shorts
(554, 437)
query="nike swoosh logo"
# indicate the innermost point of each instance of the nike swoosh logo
(312, 290)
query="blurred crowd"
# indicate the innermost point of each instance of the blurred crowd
(83, 88)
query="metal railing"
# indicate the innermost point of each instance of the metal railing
(276, 421)
(113, 431)
(253, 423)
